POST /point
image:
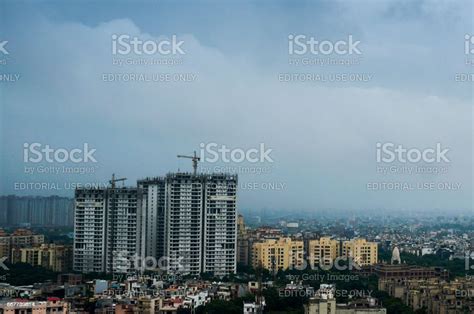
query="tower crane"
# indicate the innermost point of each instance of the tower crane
(194, 159)
(112, 182)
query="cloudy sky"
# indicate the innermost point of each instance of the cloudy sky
(237, 85)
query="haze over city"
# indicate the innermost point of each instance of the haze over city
(209, 157)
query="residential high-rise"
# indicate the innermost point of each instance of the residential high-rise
(89, 230)
(184, 219)
(151, 218)
(105, 229)
(190, 220)
(220, 224)
(121, 234)
(186, 222)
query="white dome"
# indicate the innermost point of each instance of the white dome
(396, 255)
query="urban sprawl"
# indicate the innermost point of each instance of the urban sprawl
(178, 244)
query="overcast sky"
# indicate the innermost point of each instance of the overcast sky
(408, 90)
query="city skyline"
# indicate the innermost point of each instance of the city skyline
(208, 157)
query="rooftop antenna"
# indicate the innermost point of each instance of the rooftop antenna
(194, 159)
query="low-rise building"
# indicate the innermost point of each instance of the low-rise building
(51, 256)
(433, 295)
(403, 271)
(20, 238)
(324, 302)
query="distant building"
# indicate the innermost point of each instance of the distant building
(427, 251)
(50, 211)
(322, 251)
(57, 258)
(244, 250)
(292, 225)
(241, 226)
(20, 238)
(4, 244)
(267, 233)
(245, 242)
(363, 252)
(276, 254)
(405, 272)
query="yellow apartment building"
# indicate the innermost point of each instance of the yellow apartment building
(276, 254)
